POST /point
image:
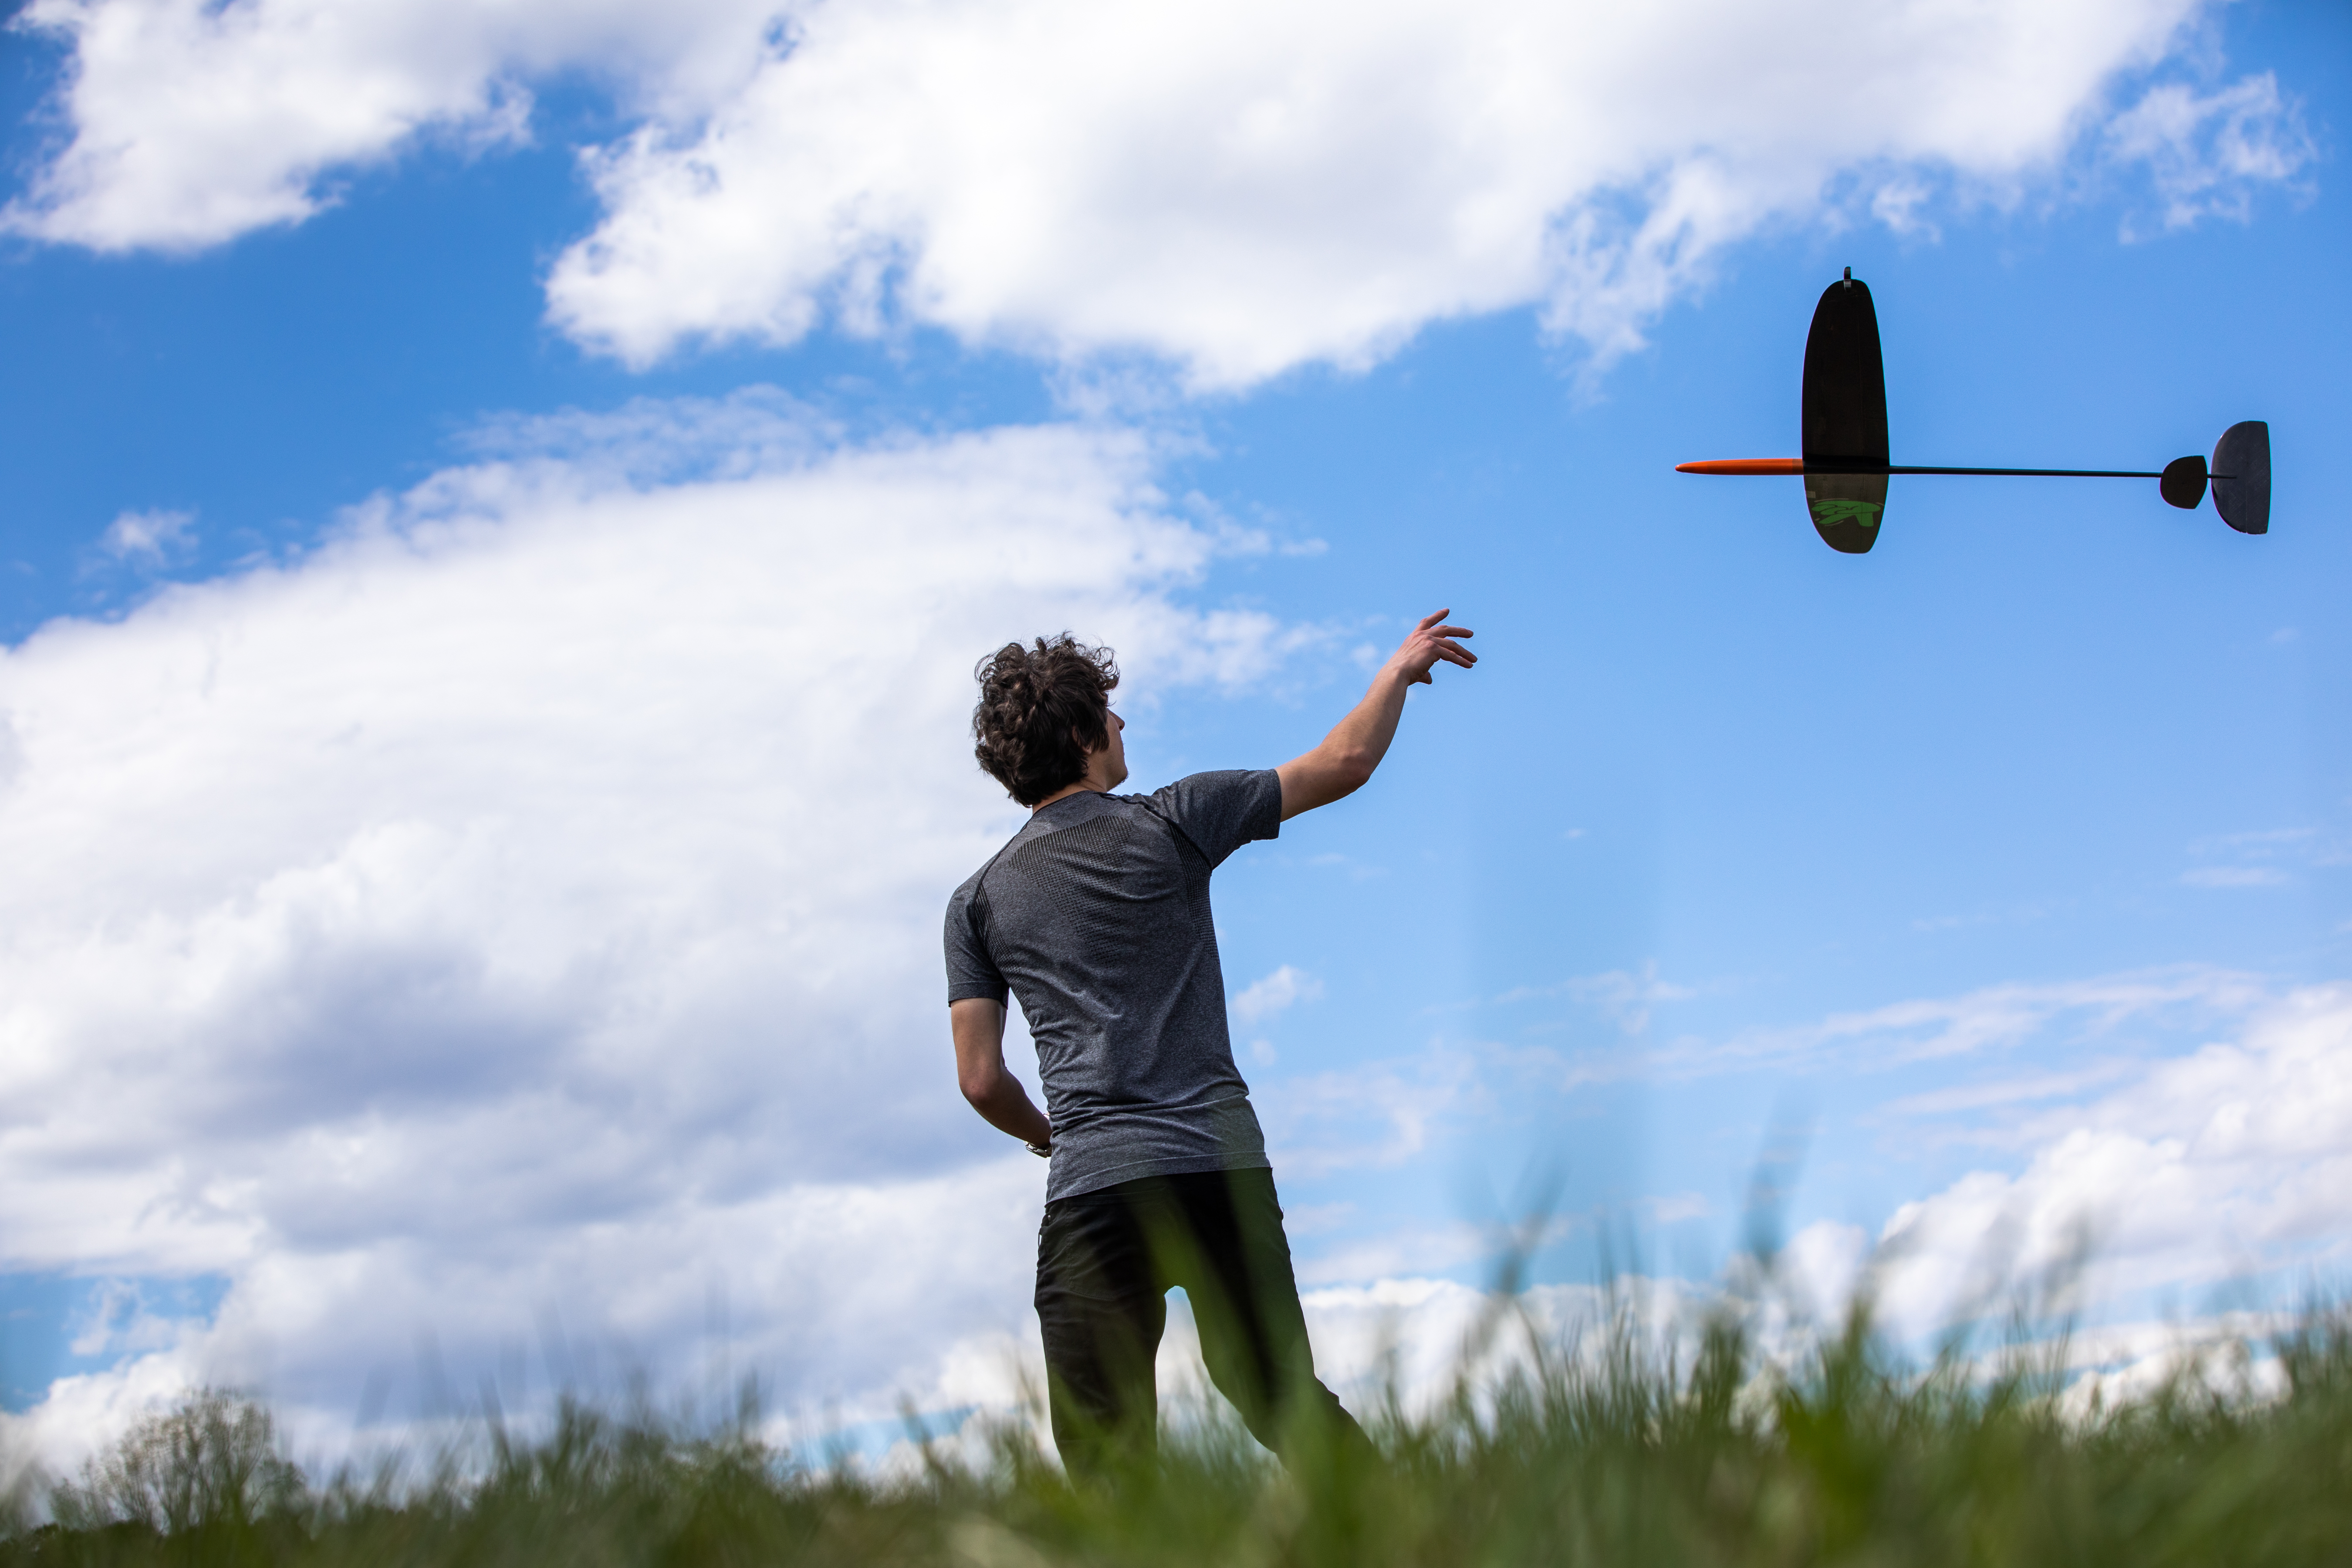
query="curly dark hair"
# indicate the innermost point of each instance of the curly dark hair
(1041, 708)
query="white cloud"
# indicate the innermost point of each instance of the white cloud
(1374, 1114)
(1990, 1020)
(1674, 1208)
(1425, 1336)
(2003, 1093)
(193, 122)
(149, 538)
(2268, 857)
(119, 1319)
(1620, 995)
(1412, 1251)
(2176, 1164)
(2235, 877)
(1233, 189)
(2232, 1161)
(1415, 1251)
(2154, 1165)
(1241, 188)
(1262, 999)
(2208, 154)
(528, 900)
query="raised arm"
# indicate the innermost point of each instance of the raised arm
(1345, 760)
(978, 1025)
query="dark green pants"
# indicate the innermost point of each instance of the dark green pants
(1105, 1261)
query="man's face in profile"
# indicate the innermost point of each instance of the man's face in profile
(1114, 752)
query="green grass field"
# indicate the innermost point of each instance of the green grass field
(1608, 1456)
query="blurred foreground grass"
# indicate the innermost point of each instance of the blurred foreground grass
(1614, 1455)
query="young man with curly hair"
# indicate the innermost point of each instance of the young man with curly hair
(1095, 917)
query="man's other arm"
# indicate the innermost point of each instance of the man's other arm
(1345, 760)
(978, 1025)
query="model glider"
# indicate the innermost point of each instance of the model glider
(1845, 467)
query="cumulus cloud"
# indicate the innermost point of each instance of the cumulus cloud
(1241, 188)
(2175, 1131)
(528, 900)
(2208, 154)
(2234, 1160)
(1262, 999)
(193, 123)
(1375, 1114)
(1992, 1020)
(1623, 997)
(1990, 1023)
(149, 538)
(1233, 189)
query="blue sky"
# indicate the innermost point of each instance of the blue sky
(490, 574)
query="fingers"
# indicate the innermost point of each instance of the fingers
(1448, 650)
(1434, 640)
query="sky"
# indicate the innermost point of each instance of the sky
(502, 503)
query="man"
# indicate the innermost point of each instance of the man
(1095, 916)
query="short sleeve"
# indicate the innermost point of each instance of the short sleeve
(971, 970)
(1221, 811)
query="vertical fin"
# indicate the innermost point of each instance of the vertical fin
(2241, 477)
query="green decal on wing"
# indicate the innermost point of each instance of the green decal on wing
(1846, 509)
(1837, 510)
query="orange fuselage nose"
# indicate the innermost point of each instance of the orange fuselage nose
(1744, 466)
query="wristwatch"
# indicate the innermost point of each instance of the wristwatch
(1043, 1151)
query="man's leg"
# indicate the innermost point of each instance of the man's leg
(1102, 1312)
(1245, 1299)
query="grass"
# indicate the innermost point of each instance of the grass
(1606, 1454)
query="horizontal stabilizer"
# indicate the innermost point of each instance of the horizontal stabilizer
(2183, 483)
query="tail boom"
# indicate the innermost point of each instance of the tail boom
(1867, 466)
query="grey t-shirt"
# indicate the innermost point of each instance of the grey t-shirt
(1096, 916)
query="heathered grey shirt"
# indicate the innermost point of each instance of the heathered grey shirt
(1096, 916)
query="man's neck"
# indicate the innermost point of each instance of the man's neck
(1084, 786)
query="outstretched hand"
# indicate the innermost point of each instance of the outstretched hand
(1356, 745)
(1430, 642)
